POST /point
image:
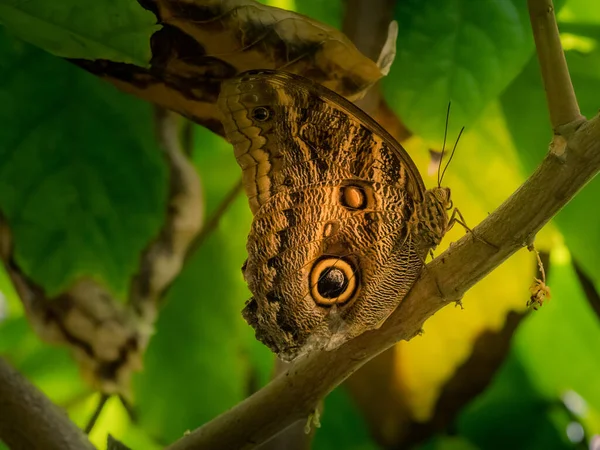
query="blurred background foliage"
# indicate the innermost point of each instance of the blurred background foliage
(86, 191)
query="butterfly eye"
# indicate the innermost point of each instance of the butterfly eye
(261, 113)
(333, 281)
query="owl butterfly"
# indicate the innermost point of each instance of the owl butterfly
(342, 220)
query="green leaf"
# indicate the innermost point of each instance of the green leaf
(461, 51)
(114, 444)
(10, 306)
(448, 443)
(548, 358)
(511, 413)
(580, 11)
(50, 368)
(117, 30)
(330, 12)
(526, 115)
(342, 425)
(558, 336)
(82, 181)
(203, 358)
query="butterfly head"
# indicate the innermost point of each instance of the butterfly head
(441, 195)
(432, 216)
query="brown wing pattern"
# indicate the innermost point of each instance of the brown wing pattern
(330, 253)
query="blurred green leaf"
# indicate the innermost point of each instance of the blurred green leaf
(114, 421)
(526, 114)
(551, 355)
(342, 425)
(581, 11)
(115, 444)
(12, 304)
(511, 413)
(330, 12)
(558, 336)
(200, 360)
(82, 181)
(117, 30)
(448, 443)
(50, 368)
(461, 51)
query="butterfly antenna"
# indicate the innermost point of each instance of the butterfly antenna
(443, 147)
(451, 154)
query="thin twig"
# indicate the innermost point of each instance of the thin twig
(213, 221)
(163, 259)
(294, 394)
(96, 414)
(29, 420)
(187, 136)
(562, 103)
(589, 288)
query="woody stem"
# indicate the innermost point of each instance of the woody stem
(560, 96)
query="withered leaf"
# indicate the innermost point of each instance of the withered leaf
(203, 42)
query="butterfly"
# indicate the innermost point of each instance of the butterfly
(342, 219)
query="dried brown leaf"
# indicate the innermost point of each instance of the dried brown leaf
(203, 42)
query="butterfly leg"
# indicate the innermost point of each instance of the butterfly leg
(457, 217)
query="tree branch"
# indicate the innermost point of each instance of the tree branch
(213, 221)
(294, 394)
(163, 259)
(28, 419)
(560, 95)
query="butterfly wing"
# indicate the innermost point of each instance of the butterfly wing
(329, 252)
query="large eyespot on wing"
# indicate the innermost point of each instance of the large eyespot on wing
(333, 281)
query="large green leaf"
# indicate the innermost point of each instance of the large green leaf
(553, 353)
(82, 181)
(203, 358)
(342, 425)
(511, 413)
(527, 118)
(117, 30)
(556, 345)
(462, 51)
